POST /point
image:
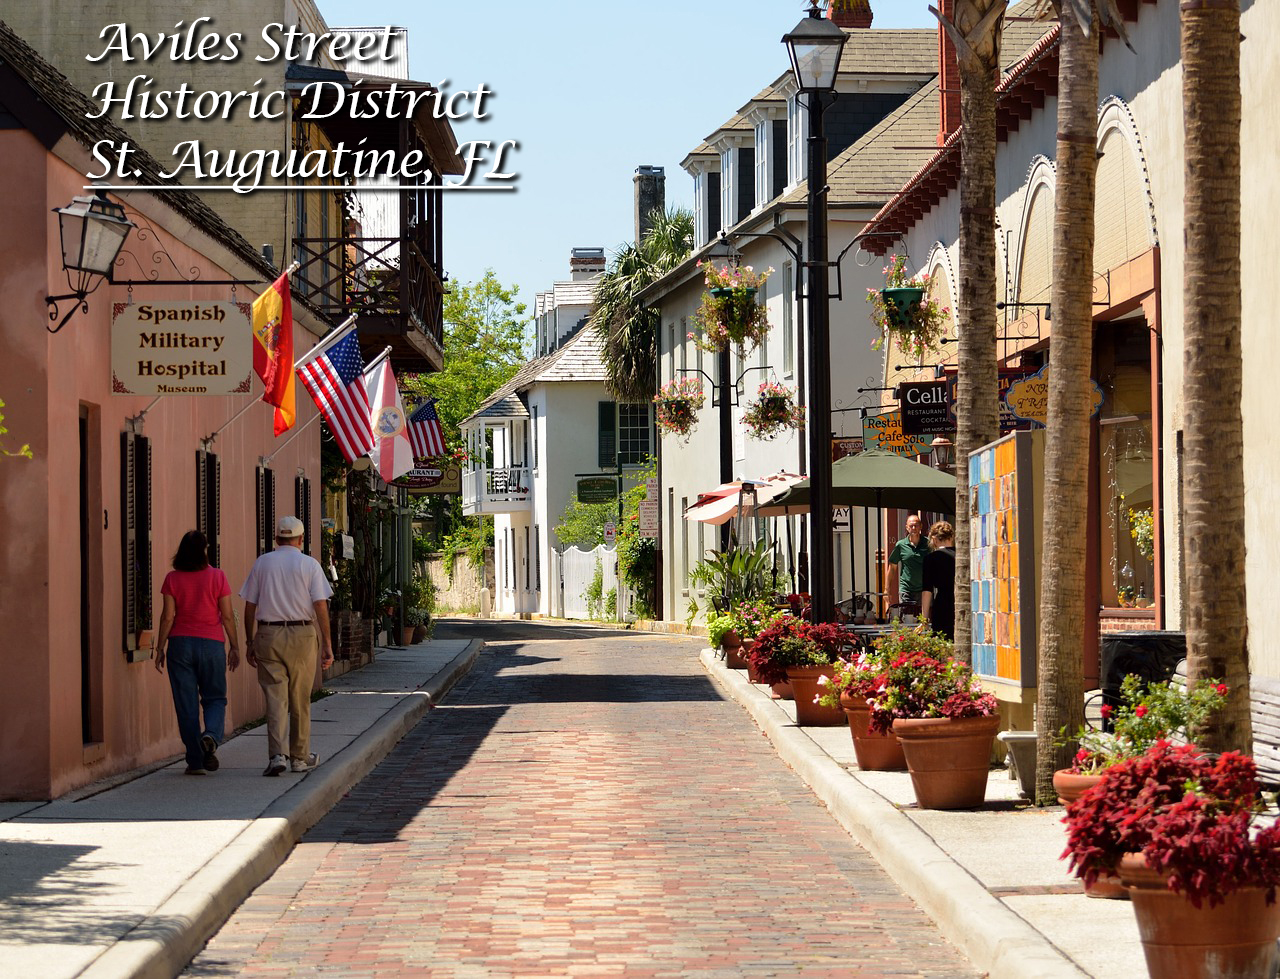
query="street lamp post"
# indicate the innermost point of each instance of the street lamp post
(815, 45)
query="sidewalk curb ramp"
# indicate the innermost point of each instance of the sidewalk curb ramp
(164, 943)
(995, 939)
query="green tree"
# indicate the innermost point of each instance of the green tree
(486, 332)
(628, 328)
(582, 524)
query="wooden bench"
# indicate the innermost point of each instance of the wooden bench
(1264, 711)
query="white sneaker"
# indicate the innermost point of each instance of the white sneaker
(305, 764)
(277, 765)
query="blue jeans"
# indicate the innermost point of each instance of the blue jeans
(198, 678)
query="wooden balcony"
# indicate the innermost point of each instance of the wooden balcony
(389, 283)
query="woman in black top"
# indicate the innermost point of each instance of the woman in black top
(937, 595)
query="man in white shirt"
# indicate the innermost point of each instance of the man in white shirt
(286, 609)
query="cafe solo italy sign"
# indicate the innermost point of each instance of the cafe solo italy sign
(190, 347)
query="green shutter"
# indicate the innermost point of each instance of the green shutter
(608, 442)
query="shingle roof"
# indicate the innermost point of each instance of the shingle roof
(73, 107)
(578, 359)
(897, 51)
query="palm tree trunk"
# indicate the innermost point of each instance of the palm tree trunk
(976, 28)
(1213, 472)
(1060, 698)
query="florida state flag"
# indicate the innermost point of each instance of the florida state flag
(273, 350)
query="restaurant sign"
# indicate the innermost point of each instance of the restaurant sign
(181, 348)
(431, 476)
(885, 432)
(926, 407)
(1028, 398)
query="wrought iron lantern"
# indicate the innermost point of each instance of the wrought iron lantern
(93, 230)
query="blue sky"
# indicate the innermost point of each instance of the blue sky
(591, 91)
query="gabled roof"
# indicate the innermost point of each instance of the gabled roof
(22, 70)
(578, 359)
(890, 51)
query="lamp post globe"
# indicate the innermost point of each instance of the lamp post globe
(814, 46)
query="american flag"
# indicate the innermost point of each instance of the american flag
(335, 380)
(424, 432)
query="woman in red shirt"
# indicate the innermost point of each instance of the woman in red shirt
(197, 614)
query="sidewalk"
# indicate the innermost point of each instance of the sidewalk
(132, 881)
(990, 878)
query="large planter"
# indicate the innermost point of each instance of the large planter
(734, 652)
(406, 635)
(1234, 940)
(419, 633)
(1070, 787)
(875, 751)
(949, 758)
(804, 685)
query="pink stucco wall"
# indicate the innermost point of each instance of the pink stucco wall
(44, 381)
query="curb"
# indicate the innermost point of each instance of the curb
(166, 941)
(995, 939)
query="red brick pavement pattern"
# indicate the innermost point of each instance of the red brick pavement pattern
(581, 808)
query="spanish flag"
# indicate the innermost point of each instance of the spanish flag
(273, 351)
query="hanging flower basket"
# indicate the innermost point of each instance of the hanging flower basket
(903, 311)
(773, 412)
(677, 405)
(729, 314)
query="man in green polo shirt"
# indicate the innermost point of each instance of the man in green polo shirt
(906, 563)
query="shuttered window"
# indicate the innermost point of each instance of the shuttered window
(537, 558)
(302, 509)
(266, 509)
(608, 435)
(209, 502)
(135, 523)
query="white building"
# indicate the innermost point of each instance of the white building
(532, 439)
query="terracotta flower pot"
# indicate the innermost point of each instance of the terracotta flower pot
(782, 691)
(875, 752)
(419, 633)
(1233, 940)
(735, 654)
(406, 635)
(804, 682)
(949, 758)
(1069, 787)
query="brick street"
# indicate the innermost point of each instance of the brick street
(584, 803)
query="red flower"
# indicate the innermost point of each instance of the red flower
(1106, 710)
(1140, 710)
(1221, 688)
(1082, 756)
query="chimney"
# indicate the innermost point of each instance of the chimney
(850, 13)
(585, 263)
(948, 76)
(651, 195)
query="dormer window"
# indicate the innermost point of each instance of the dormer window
(797, 139)
(706, 198)
(729, 187)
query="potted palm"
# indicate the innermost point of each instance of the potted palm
(729, 314)
(806, 655)
(946, 724)
(677, 404)
(903, 312)
(773, 412)
(1179, 826)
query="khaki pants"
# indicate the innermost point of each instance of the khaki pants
(286, 669)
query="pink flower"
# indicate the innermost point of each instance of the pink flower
(1140, 710)
(1082, 756)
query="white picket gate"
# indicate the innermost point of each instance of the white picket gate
(576, 570)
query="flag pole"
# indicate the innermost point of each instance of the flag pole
(314, 351)
(207, 441)
(377, 360)
(266, 460)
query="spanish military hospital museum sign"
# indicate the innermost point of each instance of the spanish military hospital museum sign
(191, 347)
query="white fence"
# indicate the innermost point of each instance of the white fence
(574, 570)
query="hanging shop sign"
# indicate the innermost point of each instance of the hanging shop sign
(845, 446)
(925, 407)
(430, 476)
(1007, 377)
(181, 348)
(885, 432)
(597, 489)
(1028, 397)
